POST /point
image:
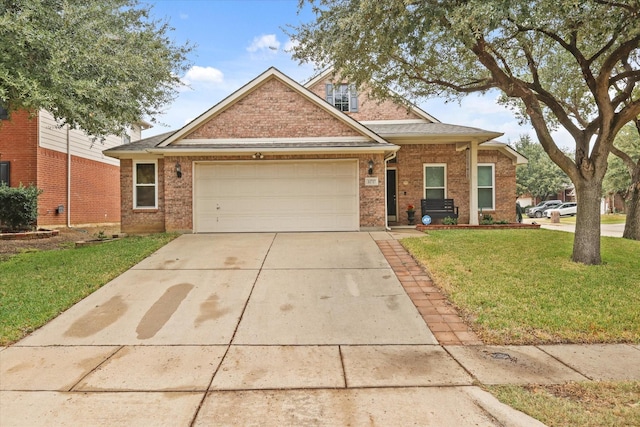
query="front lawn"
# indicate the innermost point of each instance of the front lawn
(520, 287)
(35, 287)
(583, 404)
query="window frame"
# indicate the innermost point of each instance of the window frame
(7, 165)
(351, 93)
(136, 185)
(492, 187)
(424, 178)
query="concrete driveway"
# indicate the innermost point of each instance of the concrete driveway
(245, 329)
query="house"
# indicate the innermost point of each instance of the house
(80, 185)
(280, 156)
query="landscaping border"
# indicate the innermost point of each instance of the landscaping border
(422, 227)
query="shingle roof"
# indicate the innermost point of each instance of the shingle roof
(142, 144)
(424, 129)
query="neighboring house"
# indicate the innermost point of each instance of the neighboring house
(280, 156)
(80, 185)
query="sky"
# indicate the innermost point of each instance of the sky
(237, 40)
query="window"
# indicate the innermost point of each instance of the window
(145, 189)
(4, 173)
(435, 181)
(4, 114)
(486, 188)
(343, 96)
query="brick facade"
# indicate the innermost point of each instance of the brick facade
(368, 109)
(411, 159)
(95, 196)
(274, 108)
(175, 195)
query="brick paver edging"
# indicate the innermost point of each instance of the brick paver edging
(441, 317)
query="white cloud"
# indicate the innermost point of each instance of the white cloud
(264, 43)
(290, 44)
(207, 75)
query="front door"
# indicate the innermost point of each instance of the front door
(392, 209)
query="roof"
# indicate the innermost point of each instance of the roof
(140, 145)
(415, 128)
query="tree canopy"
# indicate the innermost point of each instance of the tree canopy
(540, 177)
(95, 65)
(574, 64)
(618, 178)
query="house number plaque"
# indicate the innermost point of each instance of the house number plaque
(371, 181)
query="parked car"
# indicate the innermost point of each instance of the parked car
(565, 209)
(538, 209)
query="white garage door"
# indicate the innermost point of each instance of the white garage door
(276, 196)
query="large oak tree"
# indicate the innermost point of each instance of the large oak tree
(95, 65)
(567, 63)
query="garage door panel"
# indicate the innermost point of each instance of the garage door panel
(276, 196)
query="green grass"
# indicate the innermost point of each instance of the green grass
(520, 287)
(37, 286)
(583, 404)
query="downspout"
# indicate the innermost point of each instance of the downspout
(68, 177)
(386, 183)
(473, 183)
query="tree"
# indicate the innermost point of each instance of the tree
(564, 63)
(623, 176)
(97, 65)
(540, 177)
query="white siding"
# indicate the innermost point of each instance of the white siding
(53, 137)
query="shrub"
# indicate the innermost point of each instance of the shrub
(449, 221)
(487, 220)
(18, 207)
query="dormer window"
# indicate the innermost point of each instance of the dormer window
(343, 96)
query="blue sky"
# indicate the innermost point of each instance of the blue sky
(239, 39)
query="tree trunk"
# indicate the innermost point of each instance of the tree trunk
(586, 244)
(632, 226)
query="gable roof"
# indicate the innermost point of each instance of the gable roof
(271, 73)
(414, 108)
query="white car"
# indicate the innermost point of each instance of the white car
(565, 209)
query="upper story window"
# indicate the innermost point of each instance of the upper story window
(4, 113)
(343, 96)
(4, 174)
(145, 185)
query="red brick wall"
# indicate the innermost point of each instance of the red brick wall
(273, 110)
(140, 220)
(95, 190)
(18, 142)
(175, 210)
(368, 109)
(95, 196)
(410, 178)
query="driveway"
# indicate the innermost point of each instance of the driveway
(245, 329)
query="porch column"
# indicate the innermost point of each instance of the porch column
(473, 183)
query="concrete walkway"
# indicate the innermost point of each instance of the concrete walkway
(610, 230)
(273, 329)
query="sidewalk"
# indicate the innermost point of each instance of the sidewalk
(610, 230)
